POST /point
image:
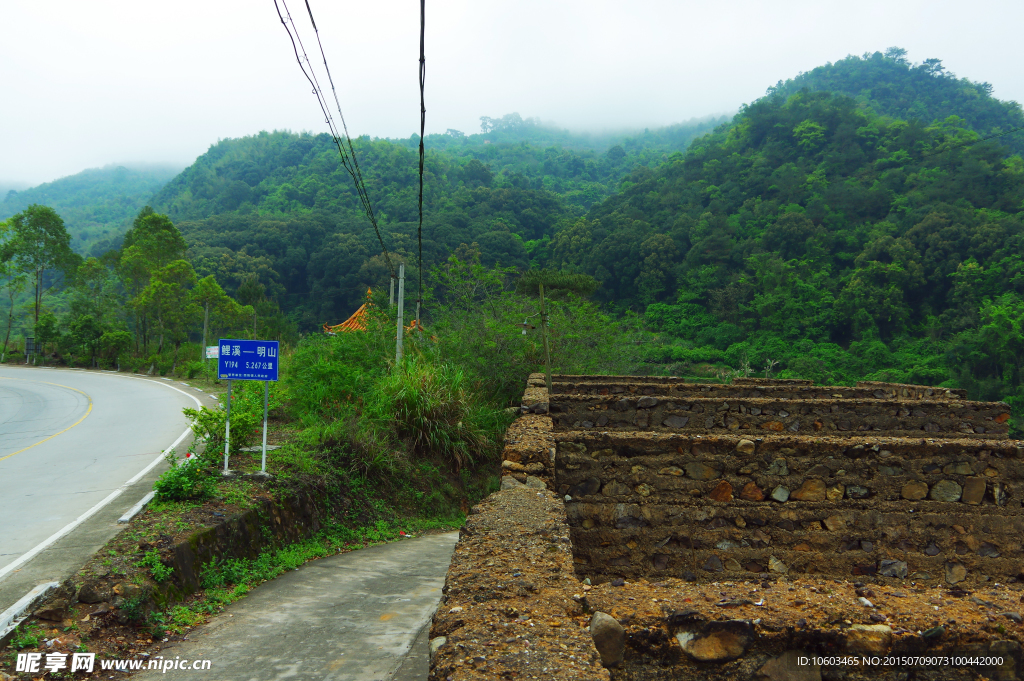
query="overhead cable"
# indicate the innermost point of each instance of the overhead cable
(345, 148)
(423, 125)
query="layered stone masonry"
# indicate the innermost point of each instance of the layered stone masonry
(653, 503)
(836, 416)
(774, 389)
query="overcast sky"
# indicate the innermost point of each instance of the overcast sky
(86, 84)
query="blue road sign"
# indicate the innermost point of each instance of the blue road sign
(247, 360)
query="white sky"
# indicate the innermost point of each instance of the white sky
(85, 84)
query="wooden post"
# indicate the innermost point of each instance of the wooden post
(544, 338)
(401, 312)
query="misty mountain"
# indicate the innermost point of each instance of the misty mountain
(97, 204)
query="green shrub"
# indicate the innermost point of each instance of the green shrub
(246, 417)
(185, 479)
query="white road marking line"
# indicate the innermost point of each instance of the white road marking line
(56, 536)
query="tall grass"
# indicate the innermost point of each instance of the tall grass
(431, 407)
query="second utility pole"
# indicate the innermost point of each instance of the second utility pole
(401, 313)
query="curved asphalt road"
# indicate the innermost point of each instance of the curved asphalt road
(70, 440)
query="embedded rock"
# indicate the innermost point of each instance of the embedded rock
(945, 490)
(868, 639)
(719, 641)
(812, 489)
(508, 482)
(722, 491)
(609, 638)
(914, 491)
(955, 572)
(699, 471)
(751, 492)
(974, 491)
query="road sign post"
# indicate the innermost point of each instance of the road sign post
(247, 360)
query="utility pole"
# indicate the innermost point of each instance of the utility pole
(401, 313)
(544, 338)
(391, 299)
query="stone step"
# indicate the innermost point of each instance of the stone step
(900, 418)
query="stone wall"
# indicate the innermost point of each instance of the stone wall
(837, 414)
(659, 505)
(731, 550)
(508, 609)
(639, 386)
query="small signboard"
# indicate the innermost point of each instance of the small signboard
(247, 360)
(212, 351)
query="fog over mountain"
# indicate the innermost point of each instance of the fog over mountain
(100, 83)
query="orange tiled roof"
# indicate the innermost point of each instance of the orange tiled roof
(357, 322)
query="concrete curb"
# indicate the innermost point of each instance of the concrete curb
(137, 508)
(17, 613)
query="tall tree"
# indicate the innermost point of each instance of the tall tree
(11, 281)
(211, 298)
(42, 246)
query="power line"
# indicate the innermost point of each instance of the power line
(964, 144)
(353, 166)
(423, 124)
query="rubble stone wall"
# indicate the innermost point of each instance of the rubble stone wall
(832, 416)
(645, 386)
(657, 504)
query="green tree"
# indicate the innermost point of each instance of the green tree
(209, 296)
(12, 282)
(42, 247)
(166, 298)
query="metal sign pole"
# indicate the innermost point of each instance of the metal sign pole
(227, 428)
(266, 399)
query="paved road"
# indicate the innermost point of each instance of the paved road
(359, 616)
(70, 440)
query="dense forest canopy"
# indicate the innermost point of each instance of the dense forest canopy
(892, 86)
(279, 205)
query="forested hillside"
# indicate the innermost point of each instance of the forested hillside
(97, 205)
(892, 86)
(842, 244)
(280, 206)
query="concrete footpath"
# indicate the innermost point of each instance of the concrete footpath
(360, 616)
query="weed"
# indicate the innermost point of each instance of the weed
(27, 636)
(132, 607)
(161, 573)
